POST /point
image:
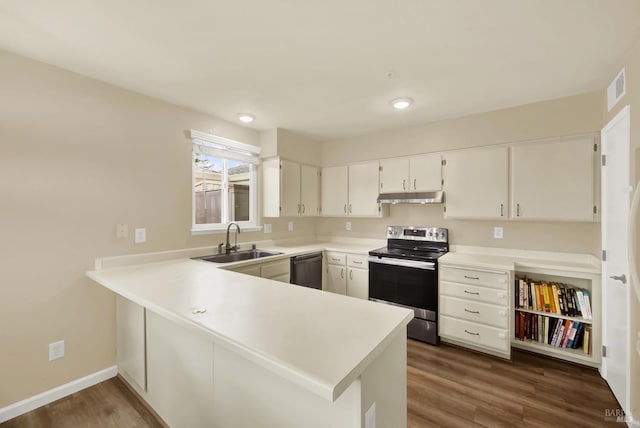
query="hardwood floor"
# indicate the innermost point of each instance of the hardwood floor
(447, 387)
(452, 387)
(110, 404)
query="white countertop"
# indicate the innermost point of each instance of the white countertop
(318, 340)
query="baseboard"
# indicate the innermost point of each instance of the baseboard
(32, 403)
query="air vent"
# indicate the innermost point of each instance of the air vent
(616, 90)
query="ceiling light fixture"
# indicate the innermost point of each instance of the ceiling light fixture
(246, 117)
(401, 103)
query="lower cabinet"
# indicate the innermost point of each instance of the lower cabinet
(131, 349)
(474, 308)
(348, 274)
(278, 270)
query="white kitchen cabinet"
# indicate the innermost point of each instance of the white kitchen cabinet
(130, 331)
(425, 173)
(309, 190)
(554, 180)
(394, 175)
(336, 279)
(421, 173)
(363, 190)
(351, 191)
(348, 274)
(278, 270)
(289, 189)
(334, 191)
(476, 183)
(253, 270)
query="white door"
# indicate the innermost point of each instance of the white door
(363, 189)
(615, 270)
(333, 191)
(426, 173)
(394, 175)
(337, 279)
(358, 283)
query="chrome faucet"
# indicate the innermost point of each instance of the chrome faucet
(228, 247)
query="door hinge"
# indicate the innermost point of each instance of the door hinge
(381, 185)
(280, 166)
(380, 168)
(445, 208)
(379, 208)
(604, 160)
(595, 147)
(443, 181)
(604, 351)
(604, 256)
(444, 162)
(595, 209)
(280, 209)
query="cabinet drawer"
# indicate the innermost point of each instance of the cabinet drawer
(474, 293)
(480, 335)
(478, 277)
(477, 312)
(279, 268)
(361, 262)
(336, 258)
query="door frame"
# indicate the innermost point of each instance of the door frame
(623, 114)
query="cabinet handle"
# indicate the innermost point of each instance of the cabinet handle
(342, 273)
(469, 292)
(404, 184)
(335, 259)
(471, 277)
(351, 274)
(345, 208)
(357, 262)
(518, 210)
(414, 184)
(468, 332)
(471, 312)
(303, 209)
(501, 210)
(298, 208)
(349, 208)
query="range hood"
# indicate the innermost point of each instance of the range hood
(436, 197)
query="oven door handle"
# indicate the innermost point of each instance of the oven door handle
(404, 263)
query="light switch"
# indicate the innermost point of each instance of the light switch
(290, 226)
(348, 225)
(498, 233)
(122, 231)
(141, 235)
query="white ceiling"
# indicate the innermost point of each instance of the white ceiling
(320, 68)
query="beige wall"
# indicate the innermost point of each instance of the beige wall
(290, 145)
(566, 116)
(105, 156)
(631, 64)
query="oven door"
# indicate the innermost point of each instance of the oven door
(409, 283)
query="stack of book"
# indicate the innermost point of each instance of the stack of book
(558, 332)
(552, 297)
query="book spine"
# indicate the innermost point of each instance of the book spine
(587, 304)
(547, 301)
(532, 292)
(555, 302)
(521, 294)
(567, 333)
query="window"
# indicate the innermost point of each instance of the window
(224, 183)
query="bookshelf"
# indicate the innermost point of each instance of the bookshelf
(535, 316)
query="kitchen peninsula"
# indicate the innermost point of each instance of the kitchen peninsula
(209, 347)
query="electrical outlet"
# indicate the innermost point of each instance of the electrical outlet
(348, 225)
(122, 231)
(267, 228)
(141, 235)
(56, 350)
(290, 226)
(498, 233)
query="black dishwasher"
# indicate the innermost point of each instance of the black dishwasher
(306, 270)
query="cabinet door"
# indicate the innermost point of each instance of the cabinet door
(394, 175)
(132, 353)
(476, 183)
(337, 279)
(289, 188)
(425, 173)
(363, 189)
(553, 180)
(271, 179)
(358, 283)
(333, 191)
(309, 190)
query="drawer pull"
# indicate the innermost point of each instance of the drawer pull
(335, 259)
(477, 293)
(471, 277)
(358, 262)
(473, 334)
(471, 312)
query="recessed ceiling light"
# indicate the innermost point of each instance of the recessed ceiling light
(246, 117)
(401, 103)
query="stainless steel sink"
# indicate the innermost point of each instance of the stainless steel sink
(237, 256)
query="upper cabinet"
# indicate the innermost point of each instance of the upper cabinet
(476, 183)
(414, 174)
(554, 180)
(351, 190)
(289, 189)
